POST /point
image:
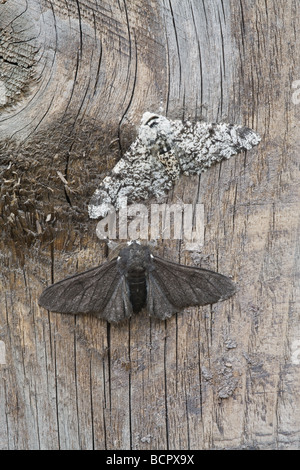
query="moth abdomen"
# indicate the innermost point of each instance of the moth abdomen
(137, 290)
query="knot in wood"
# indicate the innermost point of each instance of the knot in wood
(17, 54)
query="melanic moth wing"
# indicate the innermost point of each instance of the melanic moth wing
(172, 287)
(102, 291)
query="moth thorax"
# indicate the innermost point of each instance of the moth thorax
(136, 267)
(134, 258)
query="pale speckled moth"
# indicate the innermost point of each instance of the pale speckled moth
(136, 279)
(163, 150)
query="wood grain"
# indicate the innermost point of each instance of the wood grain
(77, 79)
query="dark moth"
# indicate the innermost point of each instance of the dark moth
(136, 279)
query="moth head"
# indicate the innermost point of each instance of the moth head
(156, 132)
(148, 117)
(134, 258)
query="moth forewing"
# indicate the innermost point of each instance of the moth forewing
(185, 286)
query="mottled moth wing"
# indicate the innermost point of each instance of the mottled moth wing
(102, 291)
(172, 287)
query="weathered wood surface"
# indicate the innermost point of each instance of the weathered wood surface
(76, 77)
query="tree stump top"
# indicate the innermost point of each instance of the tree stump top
(75, 79)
